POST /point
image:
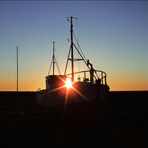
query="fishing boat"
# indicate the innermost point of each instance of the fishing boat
(89, 85)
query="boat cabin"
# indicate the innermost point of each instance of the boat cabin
(54, 81)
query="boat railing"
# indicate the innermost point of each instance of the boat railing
(85, 76)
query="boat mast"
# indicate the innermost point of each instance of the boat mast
(53, 57)
(71, 46)
(53, 62)
(71, 51)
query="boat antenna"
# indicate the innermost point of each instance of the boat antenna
(17, 68)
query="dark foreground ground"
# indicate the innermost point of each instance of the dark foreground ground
(122, 122)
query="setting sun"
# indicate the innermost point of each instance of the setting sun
(68, 83)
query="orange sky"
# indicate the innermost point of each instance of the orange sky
(113, 35)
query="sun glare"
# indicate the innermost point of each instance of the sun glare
(68, 83)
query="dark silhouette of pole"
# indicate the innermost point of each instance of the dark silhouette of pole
(53, 60)
(72, 62)
(71, 51)
(17, 68)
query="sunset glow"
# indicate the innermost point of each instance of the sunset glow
(68, 83)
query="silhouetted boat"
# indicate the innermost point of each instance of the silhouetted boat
(81, 86)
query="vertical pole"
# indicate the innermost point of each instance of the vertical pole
(53, 58)
(72, 62)
(17, 68)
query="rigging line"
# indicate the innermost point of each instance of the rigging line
(50, 67)
(83, 59)
(57, 62)
(67, 61)
(77, 30)
(78, 66)
(79, 47)
(77, 53)
(82, 52)
(57, 66)
(80, 55)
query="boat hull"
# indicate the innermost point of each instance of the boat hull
(81, 92)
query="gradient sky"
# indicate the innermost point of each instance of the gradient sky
(113, 36)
